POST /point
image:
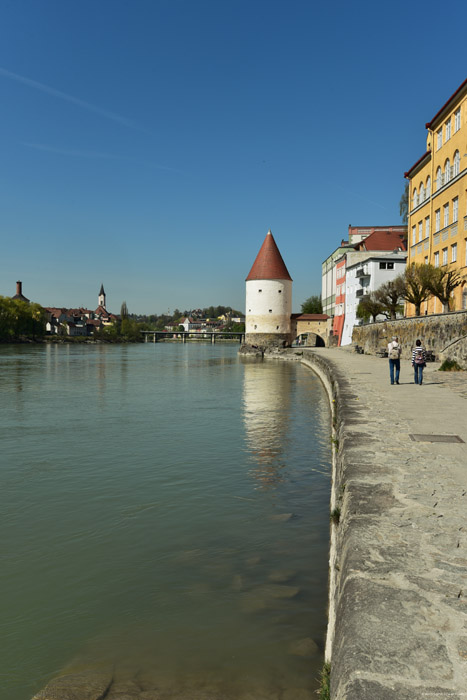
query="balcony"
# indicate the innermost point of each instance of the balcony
(362, 273)
(361, 292)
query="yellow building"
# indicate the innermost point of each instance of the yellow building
(437, 231)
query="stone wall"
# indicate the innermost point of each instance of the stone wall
(440, 333)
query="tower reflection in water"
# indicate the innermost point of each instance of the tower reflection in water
(266, 415)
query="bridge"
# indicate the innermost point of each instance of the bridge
(183, 336)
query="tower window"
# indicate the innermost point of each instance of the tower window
(280, 291)
(270, 311)
(260, 290)
(256, 327)
(277, 328)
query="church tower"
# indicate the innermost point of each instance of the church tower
(268, 298)
(101, 298)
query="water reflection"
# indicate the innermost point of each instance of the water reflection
(266, 416)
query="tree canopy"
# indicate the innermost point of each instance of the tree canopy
(20, 319)
(312, 305)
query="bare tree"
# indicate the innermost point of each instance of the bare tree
(390, 295)
(442, 284)
(416, 284)
(369, 307)
(404, 204)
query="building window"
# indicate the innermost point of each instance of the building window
(270, 311)
(446, 215)
(420, 230)
(457, 120)
(447, 171)
(437, 259)
(427, 227)
(439, 178)
(426, 259)
(382, 266)
(428, 186)
(422, 192)
(437, 219)
(447, 130)
(414, 234)
(279, 291)
(455, 209)
(454, 253)
(445, 256)
(415, 199)
(439, 138)
(456, 164)
(260, 290)
(390, 266)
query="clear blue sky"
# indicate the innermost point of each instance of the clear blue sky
(149, 144)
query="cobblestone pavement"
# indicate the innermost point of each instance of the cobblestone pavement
(403, 533)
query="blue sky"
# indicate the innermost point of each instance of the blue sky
(149, 144)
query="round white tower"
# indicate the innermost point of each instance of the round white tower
(268, 298)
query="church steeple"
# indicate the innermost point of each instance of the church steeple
(101, 298)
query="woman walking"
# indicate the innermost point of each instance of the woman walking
(418, 361)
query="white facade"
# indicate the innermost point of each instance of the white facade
(366, 276)
(268, 306)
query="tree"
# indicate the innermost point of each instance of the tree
(416, 284)
(312, 305)
(124, 311)
(369, 307)
(390, 295)
(442, 283)
(404, 204)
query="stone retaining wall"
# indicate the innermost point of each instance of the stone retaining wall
(439, 333)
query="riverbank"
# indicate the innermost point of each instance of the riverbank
(398, 563)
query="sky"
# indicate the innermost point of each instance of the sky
(149, 145)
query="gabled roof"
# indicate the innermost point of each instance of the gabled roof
(269, 264)
(382, 240)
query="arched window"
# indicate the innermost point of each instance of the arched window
(447, 171)
(456, 165)
(439, 178)
(415, 198)
(422, 192)
(428, 187)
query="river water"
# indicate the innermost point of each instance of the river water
(164, 508)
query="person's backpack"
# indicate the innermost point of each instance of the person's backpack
(419, 360)
(394, 352)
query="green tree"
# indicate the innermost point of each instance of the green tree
(442, 283)
(417, 279)
(312, 305)
(389, 295)
(369, 307)
(404, 204)
(124, 311)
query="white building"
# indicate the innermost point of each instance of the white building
(367, 276)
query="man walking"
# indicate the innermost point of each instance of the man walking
(394, 354)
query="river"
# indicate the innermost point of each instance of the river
(165, 508)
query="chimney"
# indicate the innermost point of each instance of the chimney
(19, 288)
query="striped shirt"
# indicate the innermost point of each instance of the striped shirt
(419, 352)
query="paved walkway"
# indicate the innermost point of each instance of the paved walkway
(403, 534)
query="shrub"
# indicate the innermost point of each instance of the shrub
(450, 366)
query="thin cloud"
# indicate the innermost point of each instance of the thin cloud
(68, 152)
(123, 121)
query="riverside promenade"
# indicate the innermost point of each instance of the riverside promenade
(398, 565)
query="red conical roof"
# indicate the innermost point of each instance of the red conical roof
(269, 264)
